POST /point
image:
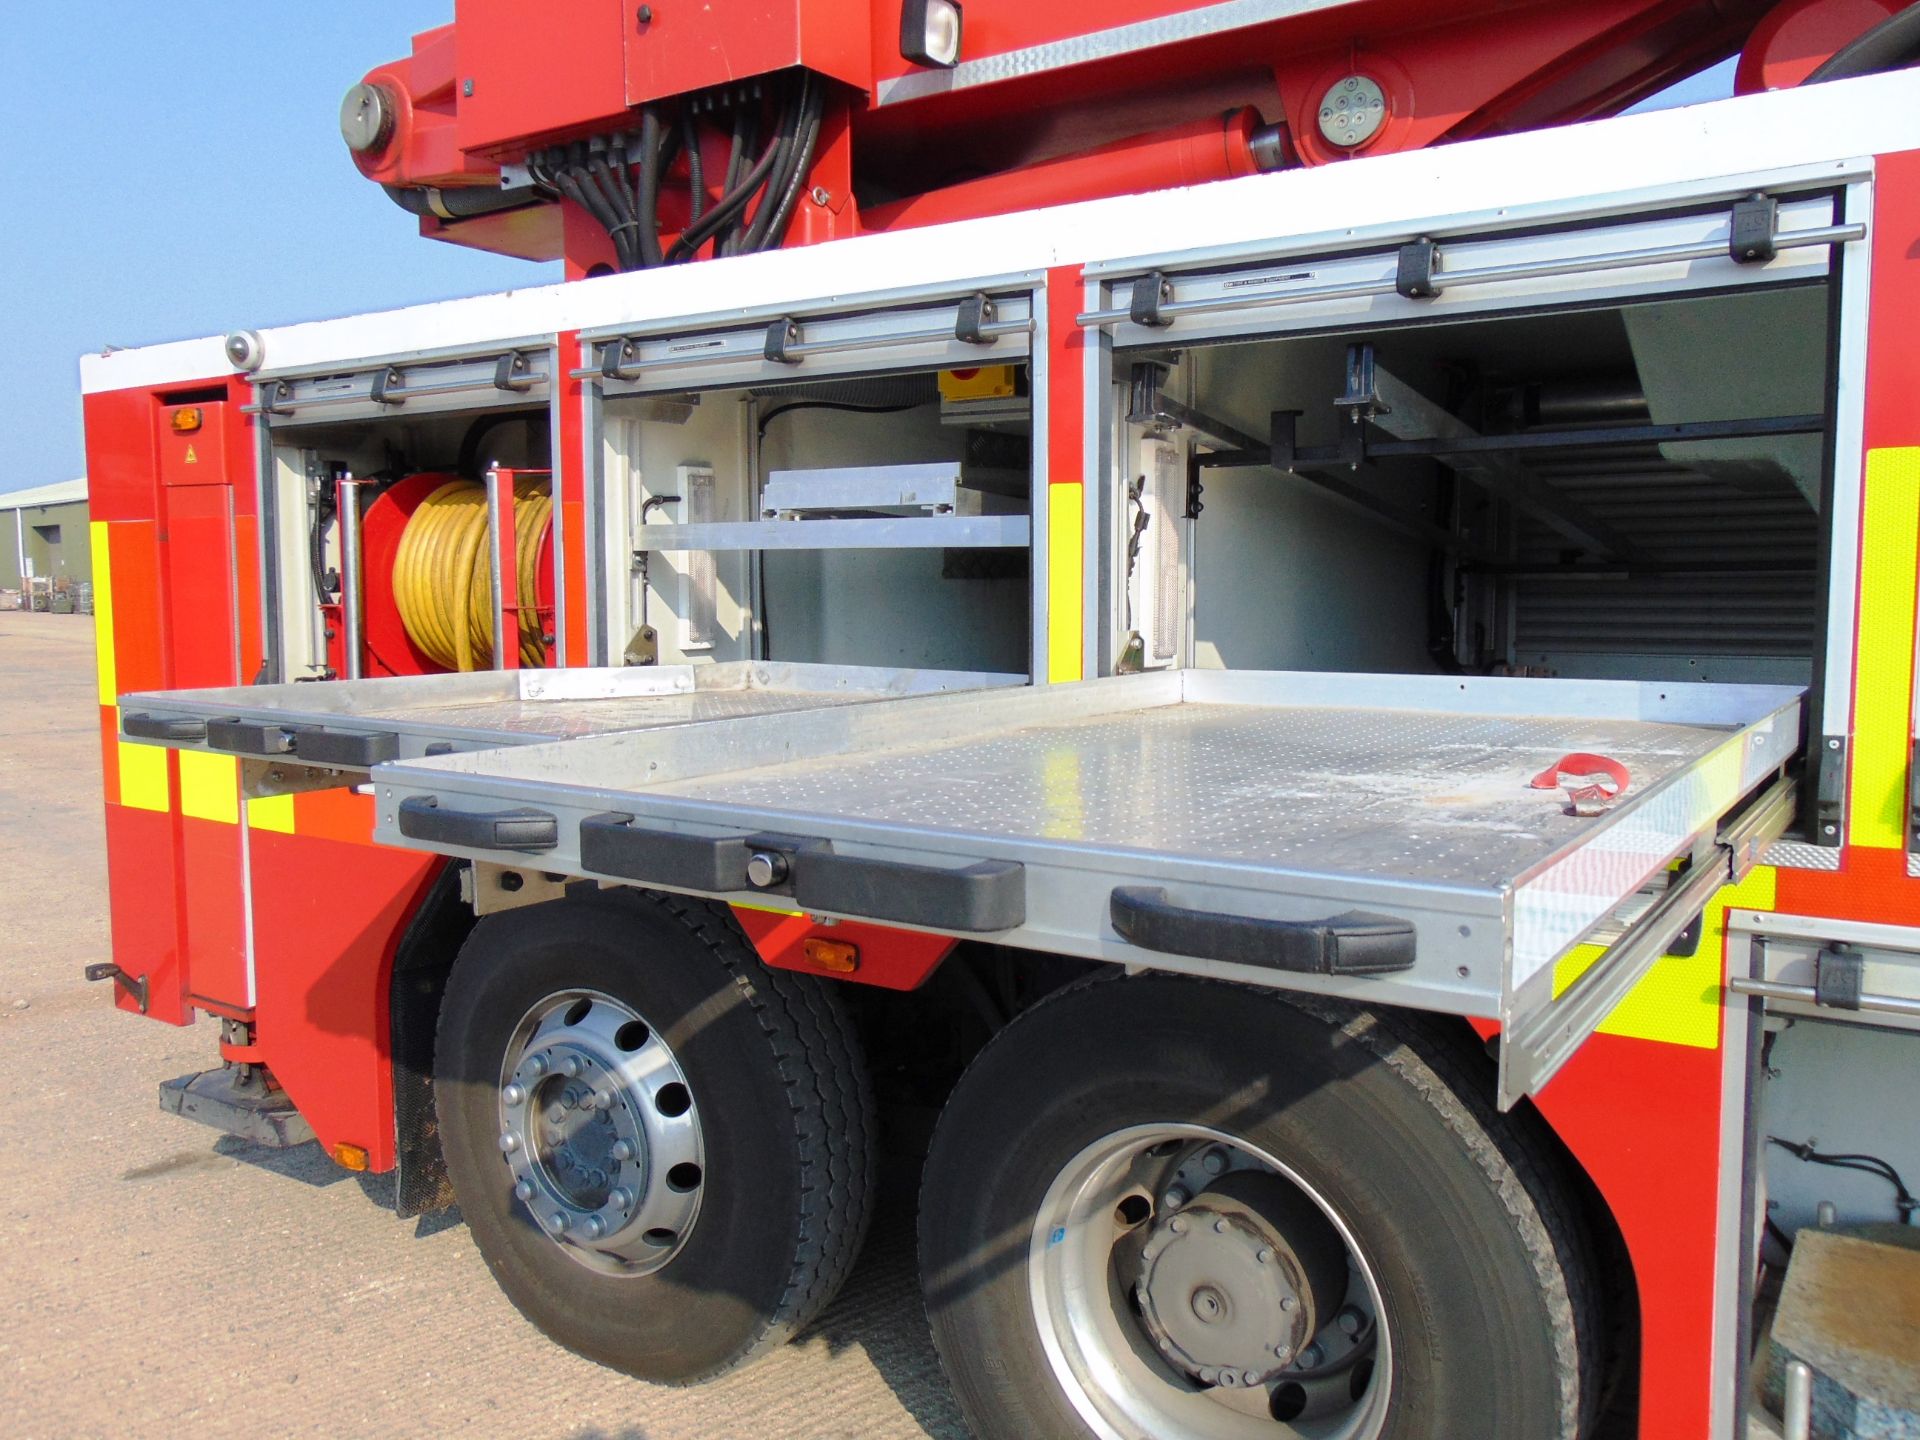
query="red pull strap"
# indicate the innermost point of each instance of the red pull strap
(1592, 782)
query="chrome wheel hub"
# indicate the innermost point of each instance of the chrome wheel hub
(600, 1132)
(1190, 1287)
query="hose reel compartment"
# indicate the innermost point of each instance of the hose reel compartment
(426, 602)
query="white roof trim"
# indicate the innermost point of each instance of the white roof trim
(64, 492)
(1608, 164)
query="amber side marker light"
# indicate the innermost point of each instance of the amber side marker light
(350, 1157)
(186, 421)
(839, 956)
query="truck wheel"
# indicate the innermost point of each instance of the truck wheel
(662, 1148)
(1177, 1209)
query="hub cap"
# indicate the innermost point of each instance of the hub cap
(1189, 1287)
(600, 1132)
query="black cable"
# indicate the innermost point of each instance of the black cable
(791, 119)
(777, 411)
(621, 202)
(649, 200)
(1903, 1199)
(696, 170)
(572, 186)
(716, 219)
(737, 146)
(813, 108)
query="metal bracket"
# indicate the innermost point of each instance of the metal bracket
(1418, 261)
(1146, 405)
(1195, 490)
(976, 310)
(1839, 975)
(1150, 292)
(510, 372)
(1830, 792)
(782, 335)
(1913, 797)
(613, 355)
(385, 382)
(1753, 235)
(134, 985)
(272, 397)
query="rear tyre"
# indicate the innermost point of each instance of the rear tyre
(1183, 1210)
(662, 1148)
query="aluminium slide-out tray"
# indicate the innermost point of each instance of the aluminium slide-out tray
(352, 725)
(1368, 836)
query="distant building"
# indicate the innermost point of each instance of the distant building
(43, 535)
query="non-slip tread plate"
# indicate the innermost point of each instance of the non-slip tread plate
(1422, 796)
(563, 719)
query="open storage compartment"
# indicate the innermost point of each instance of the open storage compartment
(407, 523)
(850, 488)
(1597, 452)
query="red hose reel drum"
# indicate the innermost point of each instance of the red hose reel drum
(389, 649)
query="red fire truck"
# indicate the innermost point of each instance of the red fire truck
(1294, 625)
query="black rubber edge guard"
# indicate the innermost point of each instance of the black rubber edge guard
(421, 818)
(163, 727)
(976, 900)
(247, 737)
(609, 845)
(1351, 944)
(352, 750)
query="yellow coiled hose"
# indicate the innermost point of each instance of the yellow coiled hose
(441, 573)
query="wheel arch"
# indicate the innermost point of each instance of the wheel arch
(416, 983)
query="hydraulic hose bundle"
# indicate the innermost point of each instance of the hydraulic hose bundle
(442, 573)
(619, 180)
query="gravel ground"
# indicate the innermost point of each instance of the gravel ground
(158, 1279)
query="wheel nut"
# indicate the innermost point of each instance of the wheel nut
(1174, 1198)
(1311, 1356)
(594, 1227)
(1252, 1377)
(570, 1067)
(1177, 1225)
(1265, 1257)
(1230, 1379)
(1287, 1302)
(1219, 1227)
(509, 1143)
(603, 1101)
(556, 1113)
(557, 1223)
(621, 1198)
(621, 1151)
(513, 1094)
(1214, 1162)
(537, 1065)
(1283, 1353)
(1350, 1320)
(523, 1191)
(1209, 1375)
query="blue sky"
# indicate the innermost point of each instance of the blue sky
(176, 170)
